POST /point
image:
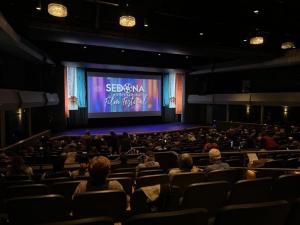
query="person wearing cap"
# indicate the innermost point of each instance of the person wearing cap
(215, 160)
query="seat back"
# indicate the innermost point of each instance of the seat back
(86, 221)
(167, 160)
(150, 172)
(125, 174)
(50, 181)
(100, 203)
(183, 180)
(150, 180)
(229, 175)
(65, 189)
(278, 163)
(126, 182)
(26, 190)
(208, 195)
(294, 215)
(250, 191)
(271, 213)
(187, 216)
(139, 202)
(287, 187)
(36, 209)
(124, 170)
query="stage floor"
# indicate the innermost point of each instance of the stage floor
(132, 129)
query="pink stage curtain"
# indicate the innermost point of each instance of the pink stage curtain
(67, 114)
(179, 78)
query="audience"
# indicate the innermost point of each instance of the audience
(58, 168)
(148, 161)
(17, 167)
(215, 161)
(98, 168)
(186, 164)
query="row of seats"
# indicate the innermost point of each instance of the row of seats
(270, 213)
(208, 195)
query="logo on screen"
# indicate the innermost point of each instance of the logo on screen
(127, 88)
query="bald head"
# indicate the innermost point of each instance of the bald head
(214, 154)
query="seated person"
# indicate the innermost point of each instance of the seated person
(149, 161)
(58, 168)
(17, 167)
(83, 169)
(215, 160)
(98, 168)
(186, 164)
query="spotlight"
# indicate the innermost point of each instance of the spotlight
(256, 11)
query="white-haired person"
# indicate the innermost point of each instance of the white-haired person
(215, 161)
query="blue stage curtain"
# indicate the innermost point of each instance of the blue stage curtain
(81, 92)
(166, 98)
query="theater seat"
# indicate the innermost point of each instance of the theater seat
(183, 180)
(266, 213)
(100, 203)
(294, 215)
(126, 182)
(125, 174)
(36, 209)
(250, 191)
(167, 160)
(150, 172)
(86, 221)
(182, 217)
(152, 180)
(229, 175)
(287, 187)
(65, 189)
(26, 190)
(208, 195)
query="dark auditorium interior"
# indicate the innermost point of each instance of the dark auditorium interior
(139, 112)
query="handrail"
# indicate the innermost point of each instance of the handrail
(25, 141)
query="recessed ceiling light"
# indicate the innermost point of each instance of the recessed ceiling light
(127, 21)
(38, 5)
(288, 45)
(256, 11)
(201, 33)
(257, 40)
(57, 10)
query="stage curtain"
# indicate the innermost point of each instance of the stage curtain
(81, 93)
(172, 90)
(166, 90)
(72, 88)
(179, 80)
(67, 114)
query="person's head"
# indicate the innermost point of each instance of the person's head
(99, 168)
(185, 162)
(214, 155)
(112, 133)
(149, 156)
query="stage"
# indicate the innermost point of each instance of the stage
(132, 129)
